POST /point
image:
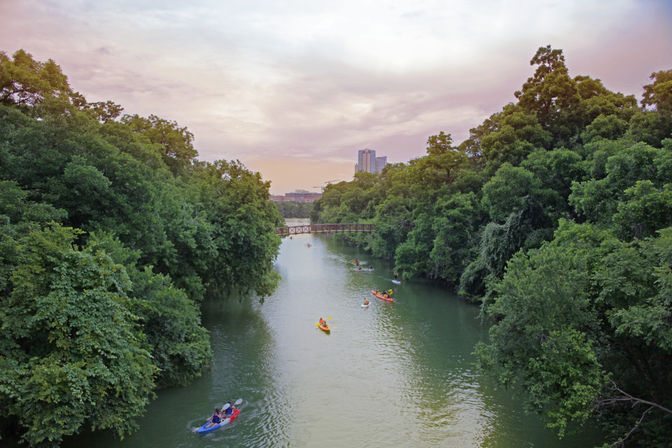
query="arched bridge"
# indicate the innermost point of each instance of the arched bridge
(324, 228)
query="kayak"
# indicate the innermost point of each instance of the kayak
(396, 282)
(380, 296)
(365, 305)
(224, 422)
(324, 327)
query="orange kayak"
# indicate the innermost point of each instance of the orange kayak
(324, 327)
(382, 297)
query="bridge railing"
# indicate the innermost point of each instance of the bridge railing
(324, 228)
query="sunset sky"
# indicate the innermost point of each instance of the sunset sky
(294, 88)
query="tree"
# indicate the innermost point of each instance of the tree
(25, 82)
(393, 222)
(290, 209)
(456, 225)
(575, 329)
(650, 127)
(552, 96)
(609, 127)
(412, 255)
(517, 135)
(103, 111)
(659, 93)
(597, 199)
(644, 210)
(168, 318)
(72, 353)
(174, 143)
(505, 193)
(439, 144)
(542, 300)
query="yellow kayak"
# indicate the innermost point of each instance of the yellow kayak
(324, 327)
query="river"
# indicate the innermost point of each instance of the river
(392, 374)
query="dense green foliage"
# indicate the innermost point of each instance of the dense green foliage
(556, 215)
(112, 234)
(291, 209)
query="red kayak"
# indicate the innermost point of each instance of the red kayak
(382, 297)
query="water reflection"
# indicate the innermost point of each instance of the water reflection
(393, 374)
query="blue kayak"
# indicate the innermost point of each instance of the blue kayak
(224, 422)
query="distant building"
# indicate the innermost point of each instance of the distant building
(368, 162)
(297, 196)
(380, 164)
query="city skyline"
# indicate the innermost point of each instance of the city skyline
(292, 89)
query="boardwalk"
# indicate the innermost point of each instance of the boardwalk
(324, 228)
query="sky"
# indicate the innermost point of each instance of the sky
(294, 88)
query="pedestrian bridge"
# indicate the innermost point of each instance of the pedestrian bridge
(324, 228)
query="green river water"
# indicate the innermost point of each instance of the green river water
(391, 375)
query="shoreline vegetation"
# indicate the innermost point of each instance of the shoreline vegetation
(555, 216)
(113, 233)
(290, 209)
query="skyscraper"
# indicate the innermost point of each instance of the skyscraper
(380, 164)
(366, 160)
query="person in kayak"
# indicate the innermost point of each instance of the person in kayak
(322, 322)
(366, 301)
(356, 261)
(215, 419)
(228, 412)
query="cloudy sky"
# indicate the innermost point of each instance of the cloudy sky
(294, 88)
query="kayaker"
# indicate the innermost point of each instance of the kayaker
(396, 275)
(229, 411)
(322, 322)
(357, 261)
(366, 301)
(215, 419)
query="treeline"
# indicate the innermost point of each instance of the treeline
(290, 209)
(111, 234)
(555, 214)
